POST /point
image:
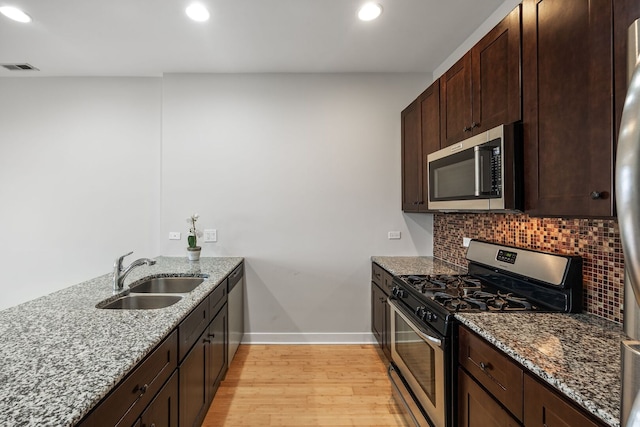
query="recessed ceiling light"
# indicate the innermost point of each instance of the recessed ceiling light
(369, 11)
(198, 12)
(15, 14)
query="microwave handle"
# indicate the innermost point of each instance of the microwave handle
(478, 154)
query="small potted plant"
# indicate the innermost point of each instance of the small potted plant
(193, 251)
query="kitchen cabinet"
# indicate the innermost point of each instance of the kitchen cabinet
(124, 405)
(482, 90)
(493, 370)
(567, 107)
(545, 408)
(163, 410)
(205, 363)
(381, 284)
(420, 137)
(477, 408)
(493, 390)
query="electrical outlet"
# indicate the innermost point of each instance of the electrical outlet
(210, 235)
(466, 241)
(174, 235)
(393, 235)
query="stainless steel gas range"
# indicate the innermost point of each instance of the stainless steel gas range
(500, 279)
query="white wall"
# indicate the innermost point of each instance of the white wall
(79, 179)
(300, 174)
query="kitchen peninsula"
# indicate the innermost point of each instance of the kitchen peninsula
(61, 355)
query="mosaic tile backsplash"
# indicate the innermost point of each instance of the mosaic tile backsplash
(596, 240)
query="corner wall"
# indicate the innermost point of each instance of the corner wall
(300, 174)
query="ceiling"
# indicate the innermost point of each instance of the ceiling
(152, 37)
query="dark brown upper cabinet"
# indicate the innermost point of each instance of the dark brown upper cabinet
(568, 107)
(482, 90)
(420, 137)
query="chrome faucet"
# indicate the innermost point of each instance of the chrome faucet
(119, 273)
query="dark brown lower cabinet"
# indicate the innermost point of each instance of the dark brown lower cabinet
(163, 410)
(476, 407)
(377, 312)
(545, 408)
(492, 394)
(218, 363)
(194, 372)
(202, 370)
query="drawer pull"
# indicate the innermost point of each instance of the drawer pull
(142, 390)
(211, 335)
(484, 366)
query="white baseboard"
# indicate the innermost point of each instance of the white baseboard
(309, 338)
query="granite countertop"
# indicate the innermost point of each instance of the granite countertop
(577, 354)
(61, 355)
(402, 265)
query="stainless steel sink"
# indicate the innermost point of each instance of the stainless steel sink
(144, 302)
(167, 285)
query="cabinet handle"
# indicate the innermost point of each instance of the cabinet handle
(595, 195)
(466, 129)
(475, 125)
(483, 366)
(211, 335)
(206, 341)
(142, 390)
(382, 299)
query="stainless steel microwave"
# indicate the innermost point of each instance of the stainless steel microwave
(482, 173)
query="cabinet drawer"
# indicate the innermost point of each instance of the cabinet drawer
(235, 277)
(493, 370)
(127, 401)
(377, 274)
(192, 326)
(217, 298)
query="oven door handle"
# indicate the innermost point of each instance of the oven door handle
(402, 312)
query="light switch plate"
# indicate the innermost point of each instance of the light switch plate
(394, 235)
(174, 235)
(466, 241)
(210, 235)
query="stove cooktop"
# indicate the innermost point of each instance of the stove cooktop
(464, 293)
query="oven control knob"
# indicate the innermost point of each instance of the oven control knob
(420, 312)
(430, 316)
(399, 293)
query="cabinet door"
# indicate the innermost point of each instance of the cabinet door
(163, 411)
(567, 99)
(430, 127)
(544, 408)
(455, 103)
(411, 158)
(377, 312)
(218, 355)
(194, 385)
(495, 62)
(476, 407)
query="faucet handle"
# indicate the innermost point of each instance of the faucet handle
(118, 262)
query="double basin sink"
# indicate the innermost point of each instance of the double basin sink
(157, 292)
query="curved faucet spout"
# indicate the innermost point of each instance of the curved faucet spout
(119, 273)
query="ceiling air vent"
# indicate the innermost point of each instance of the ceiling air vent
(20, 67)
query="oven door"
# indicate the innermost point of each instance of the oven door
(419, 355)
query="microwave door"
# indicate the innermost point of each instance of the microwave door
(483, 171)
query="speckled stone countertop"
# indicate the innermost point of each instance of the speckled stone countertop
(401, 265)
(60, 355)
(577, 354)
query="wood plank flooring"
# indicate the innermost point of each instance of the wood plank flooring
(305, 385)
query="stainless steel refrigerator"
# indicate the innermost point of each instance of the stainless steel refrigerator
(628, 208)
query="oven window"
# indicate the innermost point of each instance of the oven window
(418, 356)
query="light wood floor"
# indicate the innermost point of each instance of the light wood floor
(305, 385)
